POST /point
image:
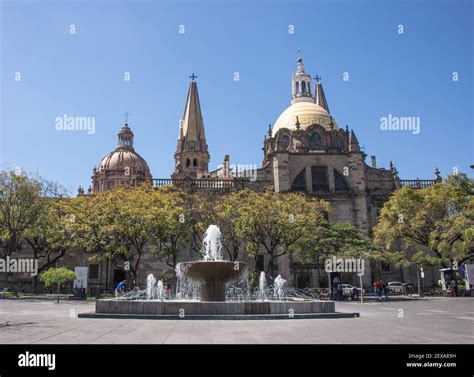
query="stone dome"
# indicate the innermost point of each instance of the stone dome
(123, 166)
(122, 158)
(307, 112)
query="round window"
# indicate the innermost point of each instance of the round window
(283, 141)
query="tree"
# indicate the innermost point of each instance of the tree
(52, 234)
(169, 225)
(227, 215)
(199, 207)
(20, 206)
(126, 225)
(272, 221)
(327, 240)
(437, 221)
(58, 277)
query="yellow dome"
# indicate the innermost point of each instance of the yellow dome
(307, 112)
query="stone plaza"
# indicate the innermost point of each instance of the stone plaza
(437, 320)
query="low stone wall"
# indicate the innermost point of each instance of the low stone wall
(213, 308)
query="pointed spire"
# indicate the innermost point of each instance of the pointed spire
(192, 156)
(193, 125)
(269, 130)
(353, 142)
(297, 123)
(319, 96)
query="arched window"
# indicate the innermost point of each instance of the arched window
(315, 140)
(303, 87)
(297, 87)
(340, 182)
(299, 183)
(319, 177)
(188, 162)
(195, 163)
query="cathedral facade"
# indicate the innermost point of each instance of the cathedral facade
(304, 151)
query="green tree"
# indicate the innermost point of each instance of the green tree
(227, 214)
(20, 206)
(126, 225)
(327, 240)
(437, 221)
(52, 234)
(57, 276)
(169, 225)
(272, 222)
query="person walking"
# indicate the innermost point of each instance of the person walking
(454, 288)
(385, 290)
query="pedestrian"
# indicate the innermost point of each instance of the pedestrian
(120, 290)
(378, 286)
(335, 283)
(385, 290)
(339, 291)
(355, 294)
(454, 288)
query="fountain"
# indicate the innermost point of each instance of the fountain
(278, 287)
(150, 286)
(212, 274)
(214, 288)
(262, 286)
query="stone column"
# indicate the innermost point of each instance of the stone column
(281, 174)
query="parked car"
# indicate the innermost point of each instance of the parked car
(347, 289)
(409, 289)
(395, 287)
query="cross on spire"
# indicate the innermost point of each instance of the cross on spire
(317, 78)
(126, 117)
(193, 76)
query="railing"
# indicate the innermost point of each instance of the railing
(200, 184)
(417, 183)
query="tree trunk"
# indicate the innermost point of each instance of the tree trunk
(270, 266)
(59, 287)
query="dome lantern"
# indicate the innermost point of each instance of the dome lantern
(301, 83)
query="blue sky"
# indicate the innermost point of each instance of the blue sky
(81, 74)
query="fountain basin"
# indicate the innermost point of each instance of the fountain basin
(213, 276)
(229, 310)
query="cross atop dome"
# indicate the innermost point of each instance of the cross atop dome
(193, 77)
(126, 118)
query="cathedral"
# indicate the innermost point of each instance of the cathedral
(304, 151)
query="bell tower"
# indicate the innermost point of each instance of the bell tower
(192, 155)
